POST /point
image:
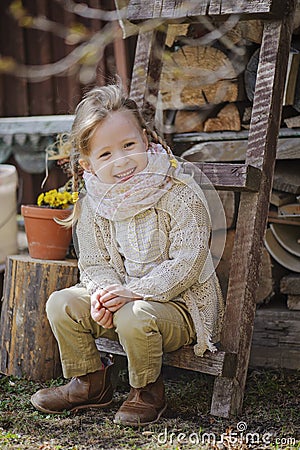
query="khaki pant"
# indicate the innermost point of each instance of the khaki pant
(145, 329)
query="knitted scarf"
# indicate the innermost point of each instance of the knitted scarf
(123, 200)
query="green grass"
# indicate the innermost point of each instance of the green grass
(271, 406)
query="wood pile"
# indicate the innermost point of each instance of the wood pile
(290, 286)
(209, 74)
(209, 122)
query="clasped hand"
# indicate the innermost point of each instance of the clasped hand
(104, 302)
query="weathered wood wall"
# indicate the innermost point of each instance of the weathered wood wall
(57, 94)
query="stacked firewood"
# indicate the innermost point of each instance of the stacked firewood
(209, 73)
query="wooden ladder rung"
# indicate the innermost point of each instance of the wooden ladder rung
(218, 363)
(229, 176)
(172, 9)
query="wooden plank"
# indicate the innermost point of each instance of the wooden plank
(38, 51)
(276, 342)
(43, 125)
(218, 363)
(228, 136)
(274, 357)
(95, 26)
(146, 71)
(243, 282)
(248, 7)
(140, 69)
(211, 363)
(140, 10)
(121, 60)
(239, 177)
(66, 89)
(214, 7)
(15, 100)
(235, 150)
(181, 8)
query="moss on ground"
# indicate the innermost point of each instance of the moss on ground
(270, 417)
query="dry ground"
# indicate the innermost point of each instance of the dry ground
(271, 417)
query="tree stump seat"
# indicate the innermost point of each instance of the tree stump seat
(27, 345)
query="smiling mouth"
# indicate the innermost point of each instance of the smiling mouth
(126, 174)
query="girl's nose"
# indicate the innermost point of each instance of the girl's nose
(120, 158)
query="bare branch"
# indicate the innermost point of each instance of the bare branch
(83, 10)
(87, 53)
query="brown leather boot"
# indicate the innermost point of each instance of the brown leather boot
(143, 406)
(93, 390)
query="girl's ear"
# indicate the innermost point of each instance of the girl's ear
(84, 163)
(145, 138)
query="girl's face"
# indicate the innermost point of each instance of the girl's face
(118, 148)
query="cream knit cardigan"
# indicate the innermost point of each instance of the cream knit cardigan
(160, 254)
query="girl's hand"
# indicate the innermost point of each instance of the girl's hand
(114, 296)
(99, 313)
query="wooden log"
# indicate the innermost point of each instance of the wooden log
(195, 76)
(251, 30)
(279, 198)
(228, 201)
(188, 121)
(287, 177)
(290, 284)
(228, 119)
(175, 31)
(265, 284)
(276, 342)
(27, 345)
(292, 122)
(293, 302)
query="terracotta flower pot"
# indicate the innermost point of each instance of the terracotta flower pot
(46, 238)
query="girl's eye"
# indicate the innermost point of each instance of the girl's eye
(128, 144)
(104, 155)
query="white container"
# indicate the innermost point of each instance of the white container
(8, 211)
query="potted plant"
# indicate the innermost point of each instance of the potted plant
(47, 237)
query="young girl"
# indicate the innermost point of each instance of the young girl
(146, 279)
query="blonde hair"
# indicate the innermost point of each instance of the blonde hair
(92, 110)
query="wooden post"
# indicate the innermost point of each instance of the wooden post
(27, 345)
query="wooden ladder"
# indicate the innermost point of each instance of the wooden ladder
(253, 179)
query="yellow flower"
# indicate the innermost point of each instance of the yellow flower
(75, 196)
(174, 163)
(56, 199)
